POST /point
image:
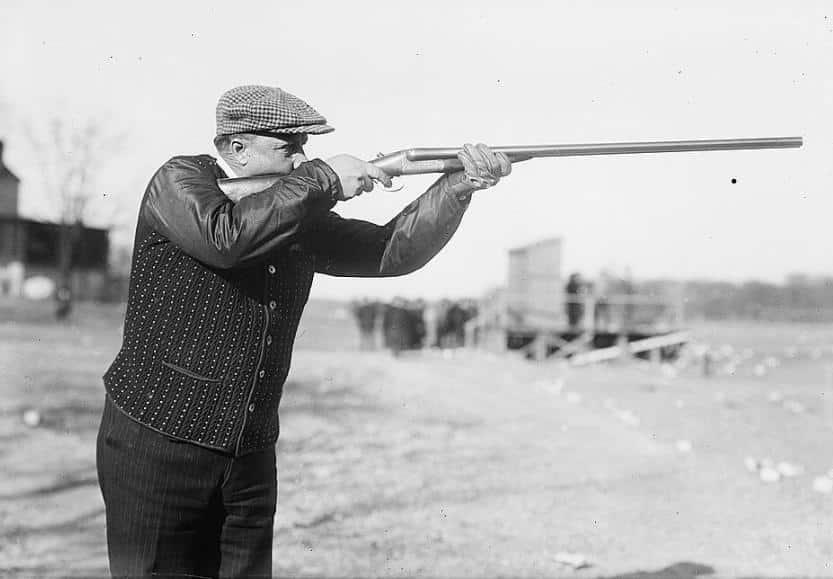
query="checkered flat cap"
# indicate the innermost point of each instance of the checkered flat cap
(252, 108)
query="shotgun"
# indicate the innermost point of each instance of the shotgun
(444, 160)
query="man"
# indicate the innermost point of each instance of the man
(186, 448)
(575, 291)
(365, 313)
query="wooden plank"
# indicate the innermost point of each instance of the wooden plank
(613, 352)
(656, 342)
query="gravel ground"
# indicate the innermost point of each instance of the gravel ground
(469, 464)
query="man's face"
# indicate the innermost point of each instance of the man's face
(272, 154)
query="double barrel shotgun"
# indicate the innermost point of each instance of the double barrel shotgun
(420, 161)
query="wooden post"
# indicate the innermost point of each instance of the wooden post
(623, 345)
(589, 325)
(539, 347)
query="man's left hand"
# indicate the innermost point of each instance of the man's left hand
(483, 167)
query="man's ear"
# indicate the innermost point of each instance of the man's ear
(239, 151)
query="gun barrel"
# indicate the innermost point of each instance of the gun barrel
(523, 152)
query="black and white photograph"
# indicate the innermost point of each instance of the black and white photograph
(436, 289)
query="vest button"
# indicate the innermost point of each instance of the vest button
(262, 373)
(272, 269)
(273, 304)
(268, 340)
(251, 407)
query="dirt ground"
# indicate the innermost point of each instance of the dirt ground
(467, 464)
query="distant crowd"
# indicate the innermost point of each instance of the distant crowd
(404, 324)
(602, 290)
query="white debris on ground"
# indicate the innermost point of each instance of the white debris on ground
(769, 474)
(794, 406)
(727, 360)
(823, 484)
(669, 371)
(726, 350)
(789, 470)
(684, 446)
(628, 417)
(31, 418)
(769, 471)
(554, 387)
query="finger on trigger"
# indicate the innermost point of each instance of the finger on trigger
(376, 173)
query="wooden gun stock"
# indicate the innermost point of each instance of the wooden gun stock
(420, 161)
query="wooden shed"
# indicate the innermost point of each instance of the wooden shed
(535, 286)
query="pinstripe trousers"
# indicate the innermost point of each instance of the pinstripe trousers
(175, 509)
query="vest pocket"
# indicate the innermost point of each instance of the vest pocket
(186, 372)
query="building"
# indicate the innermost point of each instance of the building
(535, 287)
(31, 248)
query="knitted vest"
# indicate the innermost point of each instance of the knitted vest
(206, 351)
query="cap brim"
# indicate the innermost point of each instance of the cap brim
(303, 129)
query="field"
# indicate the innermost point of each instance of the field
(466, 464)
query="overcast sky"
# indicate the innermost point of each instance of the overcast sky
(444, 73)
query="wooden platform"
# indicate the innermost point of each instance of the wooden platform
(588, 347)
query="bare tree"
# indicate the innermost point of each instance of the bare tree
(70, 155)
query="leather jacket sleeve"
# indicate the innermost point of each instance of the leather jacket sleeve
(352, 247)
(184, 204)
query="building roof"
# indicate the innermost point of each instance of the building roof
(5, 173)
(19, 219)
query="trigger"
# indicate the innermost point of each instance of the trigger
(391, 189)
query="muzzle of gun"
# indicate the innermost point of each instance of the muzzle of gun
(419, 161)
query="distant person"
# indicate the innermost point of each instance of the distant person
(601, 313)
(63, 302)
(455, 325)
(416, 310)
(365, 313)
(431, 316)
(186, 447)
(397, 325)
(575, 301)
(442, 322)
(470, 330)
(628, 289)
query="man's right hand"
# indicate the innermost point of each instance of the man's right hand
(356, 176)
